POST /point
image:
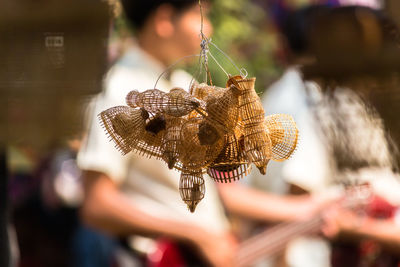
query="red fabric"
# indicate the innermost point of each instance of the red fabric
(379, 208)
(368, 253)
(167, 254)
(371, 251)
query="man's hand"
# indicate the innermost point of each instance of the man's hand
(339, 220)
(220, 250)
(312, 205)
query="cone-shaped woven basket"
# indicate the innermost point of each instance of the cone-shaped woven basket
(172, 140)
(150, 141)
(201, 91)
(257, 145)
(192, 189)
(222, 108)
(283, 132)
(124, 125)
(176, 103)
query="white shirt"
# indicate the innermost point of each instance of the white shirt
(148, 183)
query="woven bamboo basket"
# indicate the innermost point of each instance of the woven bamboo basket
(283, 132)
(151, 100)
(218, 130)
(231, 164)
(194, 153)
(257, 147)
(257, 144)
(192, 189)
(176, 103)
(150, 141)
(180, 103)
(172, 140)
(124, 125)
(201, 91)
(222, 108)
(251, 109)
(208, 134)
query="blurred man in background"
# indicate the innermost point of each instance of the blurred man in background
(343, 139)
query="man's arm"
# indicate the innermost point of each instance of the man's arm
(105, 208)
(263, 206)
(342, 223)
(385, 231)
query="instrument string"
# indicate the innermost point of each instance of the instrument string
(278, 236)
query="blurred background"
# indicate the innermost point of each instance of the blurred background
(54, 56)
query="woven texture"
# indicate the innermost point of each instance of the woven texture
(124, 125)
(221, 131)
(201, 91)
(194, 153)
(222, 108)
(192, 189)
(172, 141)
(231, 164)
(283, 133)
(257, 144)
(176, 103)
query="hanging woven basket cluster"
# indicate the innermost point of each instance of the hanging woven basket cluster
(221, 131)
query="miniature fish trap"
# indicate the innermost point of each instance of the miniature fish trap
(192, 188)
(231, 164)
(213, 130)
(221, 131)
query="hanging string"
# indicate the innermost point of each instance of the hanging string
(201, 22)
(173, 65)
(242, 71)
(219, 65)
(203, 57)
(204, 45)
(197, 75)
(205, 51)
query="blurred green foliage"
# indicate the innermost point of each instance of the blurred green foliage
(244, 32)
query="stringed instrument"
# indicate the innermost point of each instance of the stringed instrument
(265, 245)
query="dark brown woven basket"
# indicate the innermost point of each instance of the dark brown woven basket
(194, 153)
